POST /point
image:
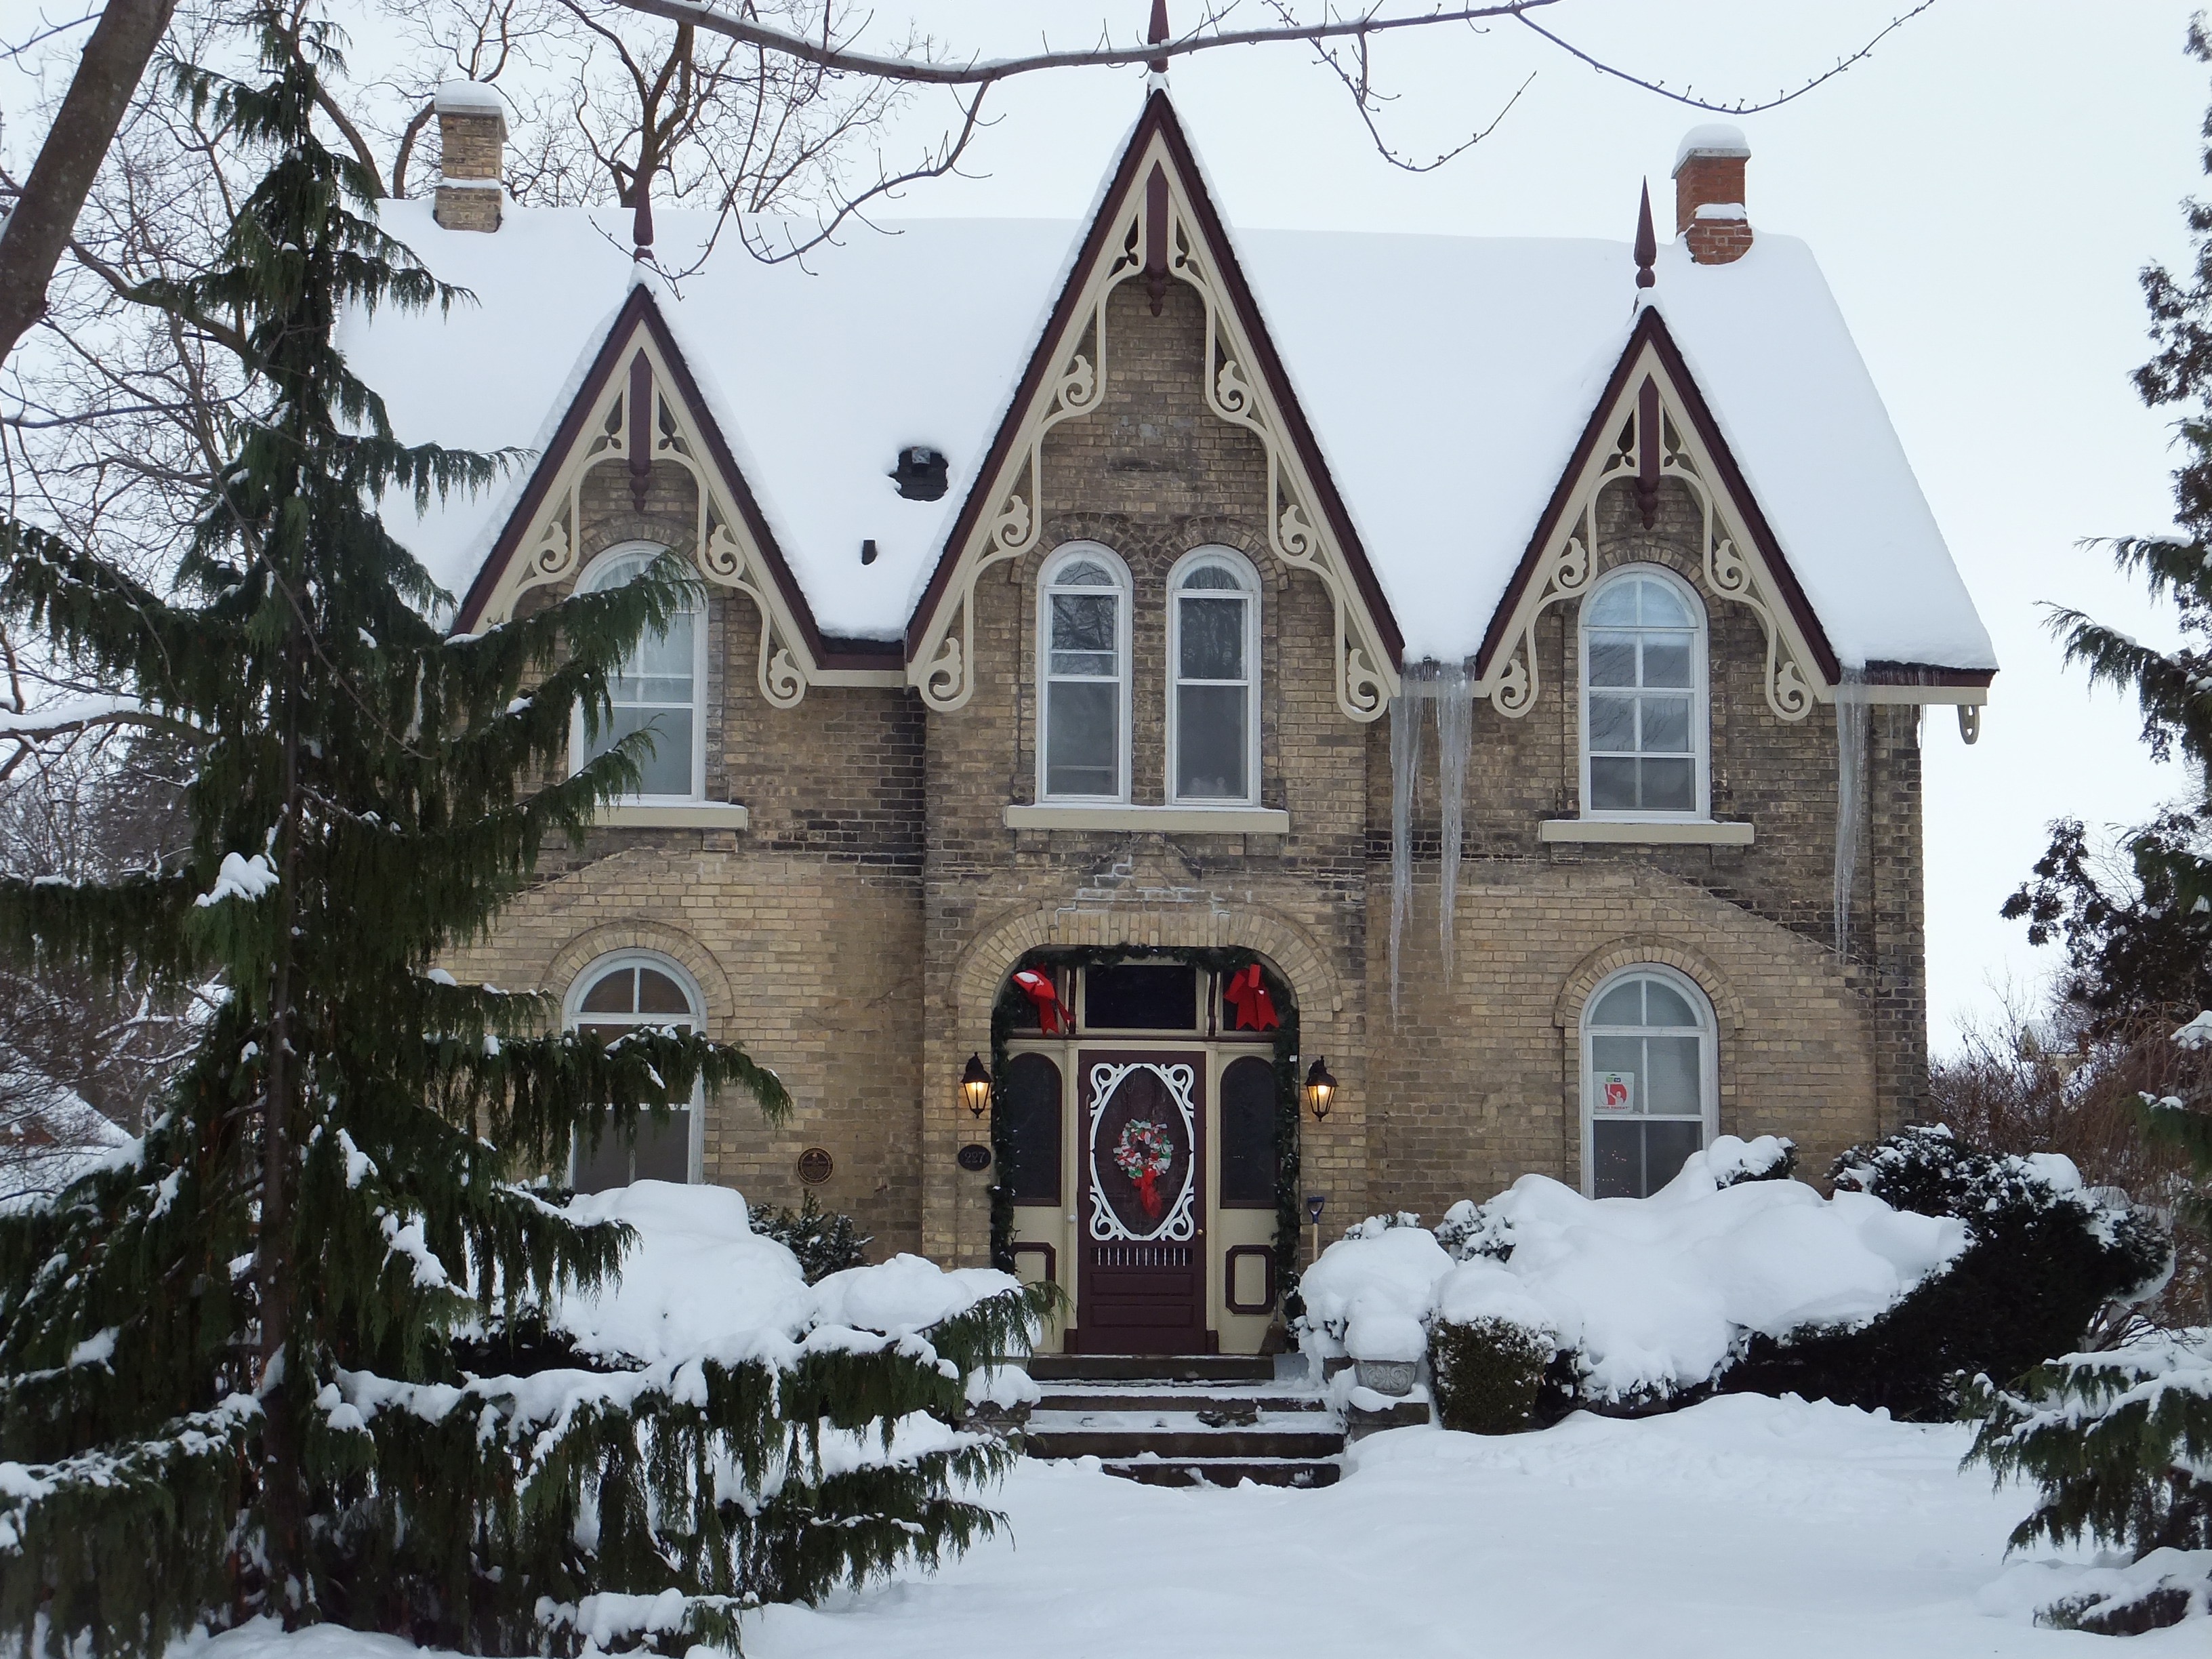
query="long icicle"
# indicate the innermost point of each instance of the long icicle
(1405, 769)
(1851, 711)
(1454, 732)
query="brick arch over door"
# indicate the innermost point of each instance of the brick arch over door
(638, 934)
(984, 966)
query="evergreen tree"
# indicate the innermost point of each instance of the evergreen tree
(292, 1354)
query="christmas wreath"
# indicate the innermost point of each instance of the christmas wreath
(1144, 1154)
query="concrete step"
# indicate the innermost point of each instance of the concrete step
(1224, 1471)
(1122, 1435)
(1151, 1368)
(1138, 1397)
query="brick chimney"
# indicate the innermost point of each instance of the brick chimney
(1709, 194)
(472, 142)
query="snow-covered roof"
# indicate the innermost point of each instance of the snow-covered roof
(1446, 416)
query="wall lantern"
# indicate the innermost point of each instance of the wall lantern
(1321, 1087)
(975, 1086)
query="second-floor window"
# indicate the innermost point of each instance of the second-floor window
(1644, 697)
(1083, 632)
(1212, 645)
(656, 688)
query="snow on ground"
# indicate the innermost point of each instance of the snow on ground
(1741, 1527)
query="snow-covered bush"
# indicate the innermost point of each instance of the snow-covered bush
(1369, 1296)
(2044, 1254)
(824, 1240)
(2120, 1447)
(1490, 1343)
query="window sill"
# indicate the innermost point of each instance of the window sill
(674, 815)
(1654, 833)
(1167, 820)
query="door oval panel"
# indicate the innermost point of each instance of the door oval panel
(1141, 1150)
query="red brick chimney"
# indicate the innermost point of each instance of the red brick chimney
(472, 145)
(1709, 194)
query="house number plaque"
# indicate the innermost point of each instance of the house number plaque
(974, 1157)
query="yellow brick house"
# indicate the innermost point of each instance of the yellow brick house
(1183, 723)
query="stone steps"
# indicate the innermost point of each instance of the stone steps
(1140, 1416)
(1151, 1368)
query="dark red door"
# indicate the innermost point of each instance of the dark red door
(1140, 1278)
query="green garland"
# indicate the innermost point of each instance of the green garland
(1225, 961)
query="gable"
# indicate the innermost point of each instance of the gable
(639, 405)
(1156, 224)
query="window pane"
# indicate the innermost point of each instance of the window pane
(1032, 1129)
(610, 994)
(657, 993)
(1666, 661)
(667, 771)
(1613, 786)
(1247, 1132)
(1141, 997)
(604, 1166)
(1084, 666)
(1670, 786)
(666, 654)
(1665, 1006)
(1661, 606)
(1082, 739)
(1616, 1160)
(1616, 604)
(1213, 639)
(1085, 622)
(1083, 573)
(664, 1150)
(1613, 659)
(1209, 745)
(1617, 1083)
(1613, 725)
(1666, 726)
(1673, 1063)
(1622, 1006)
(1666, 1146)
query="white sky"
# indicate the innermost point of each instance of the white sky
(1981, 194)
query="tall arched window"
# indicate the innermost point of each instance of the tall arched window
(1643, 698)
(612, 997)
(658, 688)
(1082, 636)
(1213, 640)
(1648, 1084)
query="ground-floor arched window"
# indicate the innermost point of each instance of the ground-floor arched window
(628, 993)
(1649, 1080)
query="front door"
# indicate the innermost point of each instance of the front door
(1141, 1285)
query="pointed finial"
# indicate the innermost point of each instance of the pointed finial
(1647, 243)
(1158, 34)
(641, 231)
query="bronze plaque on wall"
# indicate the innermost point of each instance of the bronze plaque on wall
(816, 1166)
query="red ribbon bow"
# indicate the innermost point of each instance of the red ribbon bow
(1247, 993)
(1054, 1015)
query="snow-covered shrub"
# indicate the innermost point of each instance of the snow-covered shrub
(2119, 1445)
(824, 1240)
(1490, 1343)
(1766, 1157)
(2045, 1255)
(1369, 1294)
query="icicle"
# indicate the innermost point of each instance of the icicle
(1851, 710)
(1405, 769)
(1455, 730)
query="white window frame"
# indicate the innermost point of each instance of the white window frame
(1125, 592)
(577, 756)
(1708, 1058)
(1250, 578)
(1700, 698)
(572, 1016)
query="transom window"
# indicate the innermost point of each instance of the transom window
(615, 996)
(1643, 698)
(656, 688)
(1648, 1081)
(1083, 628)
(1213, 643)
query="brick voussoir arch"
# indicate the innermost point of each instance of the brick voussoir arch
(983, 966)
(636, 934)
(1638, 950)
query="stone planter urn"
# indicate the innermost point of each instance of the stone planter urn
(1390, 1376)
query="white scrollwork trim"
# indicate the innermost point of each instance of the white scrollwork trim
(1180, 1223)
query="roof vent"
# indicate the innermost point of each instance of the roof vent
(920, 475)
(1709, 194)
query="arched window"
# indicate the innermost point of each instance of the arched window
(1213, 640)
(658, 687)
(1248, 1134)
(1643, 698)
(1649, 1087)
(1083, 635)
(623, 993)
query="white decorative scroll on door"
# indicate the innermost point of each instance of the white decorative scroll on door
(1141, 1144)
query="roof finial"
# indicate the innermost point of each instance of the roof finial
(641, 231)
(1647, 243)
(1155, 36)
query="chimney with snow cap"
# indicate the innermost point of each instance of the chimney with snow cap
(472, 142)
(1709, 194)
